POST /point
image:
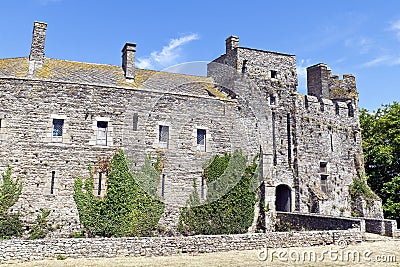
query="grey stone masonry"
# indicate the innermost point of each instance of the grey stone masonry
(128, 60)
(36, 56)
(29, 250)
(59, 116)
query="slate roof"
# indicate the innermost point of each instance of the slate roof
(109, 75)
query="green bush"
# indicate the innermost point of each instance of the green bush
(127, 209)
(41, 228)
(10, 225)
(230, 198)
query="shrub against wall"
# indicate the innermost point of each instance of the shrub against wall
(127, 209)
(231, 197)
(10, 225)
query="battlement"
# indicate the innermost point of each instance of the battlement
(340, 108)
(322, 84)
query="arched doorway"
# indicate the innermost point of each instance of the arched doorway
(283, 198)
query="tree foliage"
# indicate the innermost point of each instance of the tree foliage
(10, 225)
(381, 146)
(40, 229)
(127, 209)
(230, 199)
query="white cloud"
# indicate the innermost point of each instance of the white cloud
(376, 61)
(168, 54)
(302, 74)
(144, 63)
(382, 60)
(395, 26)
(362, 44)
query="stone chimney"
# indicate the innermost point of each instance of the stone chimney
(128, 60)
(36, 56)
(231, 43)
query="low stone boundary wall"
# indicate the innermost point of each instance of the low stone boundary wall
(27, 250)
(310, 222)
(381, 226)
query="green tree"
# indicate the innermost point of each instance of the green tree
(381, 146)
(10, 190)
(127, 209)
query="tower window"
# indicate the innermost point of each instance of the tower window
(274, 74)
(244, 67)
(201, 140)
(163, 136)
(323, 167)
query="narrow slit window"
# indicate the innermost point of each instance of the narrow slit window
(163, 136)
(272, 100)
(203, 185)
(1, 126)
(53, 174)
(323, 167)
(163, 186)
(58, 125)
(273, 138)
(244, 67)
(289, 147)
(99, 184)
(201, 140)
(102, 127)
(274, 74)
(324, 183)
(135, 122)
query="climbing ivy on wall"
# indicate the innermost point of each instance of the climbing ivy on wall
(127, 209)
(231, 197)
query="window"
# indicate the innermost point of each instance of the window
(53, 174)
(274, 74)
(99, 184)
(273, 138)
(244, 67)
(323, 167)
(324, 183)
(102, 127)
(201, 140)
(272, 100)
(135, 122)
(163, 135)
(163, 186)
(57, 130)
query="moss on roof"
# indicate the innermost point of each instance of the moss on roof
(108, 75)
(14, 67)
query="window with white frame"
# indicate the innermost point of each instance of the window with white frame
(163, 135)
(201, 140)
(102, 127)
(58, 125)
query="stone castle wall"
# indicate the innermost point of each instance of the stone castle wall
(308, 144)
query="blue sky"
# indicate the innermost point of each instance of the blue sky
(361, 37)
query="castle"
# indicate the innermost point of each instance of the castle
(58, 116)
